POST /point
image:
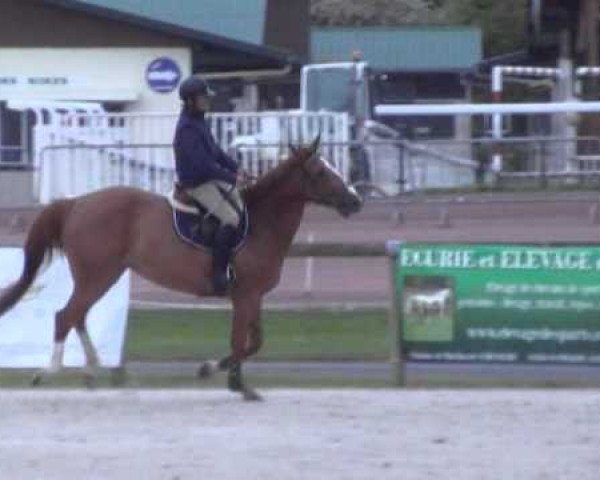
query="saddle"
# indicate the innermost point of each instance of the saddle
(195, 225)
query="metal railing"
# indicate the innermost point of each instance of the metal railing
(228, 129)
(390, 166)
(535, 159)
(75, 169)
(88, 148)
(434, 164)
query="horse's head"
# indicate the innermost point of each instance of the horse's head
(322, 184)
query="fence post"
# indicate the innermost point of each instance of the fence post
(401, 173)
(395, 318)
(543, 166)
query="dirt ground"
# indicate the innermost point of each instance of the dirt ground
(323, 434)
(294, 434)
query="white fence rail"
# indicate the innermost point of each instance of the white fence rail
(489, 108)
(71, 170)
(565, 114)
(79, 153)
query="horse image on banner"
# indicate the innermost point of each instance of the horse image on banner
(429, 305)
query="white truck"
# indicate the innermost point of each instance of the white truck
(335, 101)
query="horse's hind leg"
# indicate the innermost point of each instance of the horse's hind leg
(91, 356)
(64, 320)
(85, 294)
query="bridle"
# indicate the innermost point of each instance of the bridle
(308, 178)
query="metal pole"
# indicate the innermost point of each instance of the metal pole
(543, 166)
(395, 319)
(564, 124)
(24, 138)
(591, 18)
(496, 165)
(401, 173)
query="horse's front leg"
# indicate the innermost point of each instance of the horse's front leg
(253, 344)
(246, 340)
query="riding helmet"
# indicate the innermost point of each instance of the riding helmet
(193, 87)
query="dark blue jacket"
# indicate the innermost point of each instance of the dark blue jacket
(198, 157)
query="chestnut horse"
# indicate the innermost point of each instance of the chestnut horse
(106, 232)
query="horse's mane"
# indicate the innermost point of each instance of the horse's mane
(265, 184)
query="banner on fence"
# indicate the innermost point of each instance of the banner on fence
(26, 331)
(499, 303)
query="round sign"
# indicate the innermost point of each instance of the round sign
(163, 75)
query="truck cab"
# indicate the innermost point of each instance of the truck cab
(345, 87)
(337, 87)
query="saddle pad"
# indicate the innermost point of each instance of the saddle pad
(199, 231)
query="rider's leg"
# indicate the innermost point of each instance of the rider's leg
(222, 253)
(229, 215)
(224, 202)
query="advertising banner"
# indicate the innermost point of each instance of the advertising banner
(26, 331)
(499, 303)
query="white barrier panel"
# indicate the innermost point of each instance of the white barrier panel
(79, 153)
(27, 331)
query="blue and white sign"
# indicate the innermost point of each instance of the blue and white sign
(163, 75)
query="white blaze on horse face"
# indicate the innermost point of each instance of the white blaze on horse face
(331, 169)
(350, 188)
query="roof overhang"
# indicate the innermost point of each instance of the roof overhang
(211, 52)
(119, 95)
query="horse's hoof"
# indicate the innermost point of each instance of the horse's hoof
(206, 370)
(250, 395)
(36, 380)
(235, 385)
(89, 380)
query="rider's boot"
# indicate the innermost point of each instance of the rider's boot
(222, 253)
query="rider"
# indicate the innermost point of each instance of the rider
(208, 174)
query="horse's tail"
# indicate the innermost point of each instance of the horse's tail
(44, 235)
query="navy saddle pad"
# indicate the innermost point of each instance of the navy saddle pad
(199, 230)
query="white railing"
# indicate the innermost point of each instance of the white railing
(262, 139)
(557, 161)
(79, 153)
(488, 108)
(76, 169)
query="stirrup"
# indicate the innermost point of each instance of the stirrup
(222, 285)
(230, 273)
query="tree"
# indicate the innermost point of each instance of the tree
(503, 22)
(374, 12)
